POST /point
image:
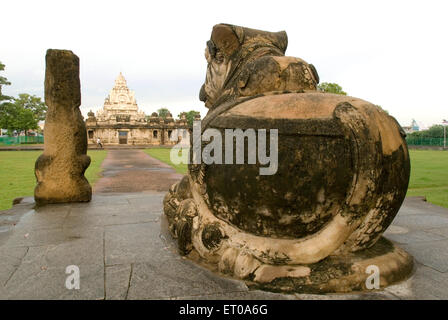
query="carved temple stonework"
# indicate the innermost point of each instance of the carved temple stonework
(121, 122)
(120, 105)
(315, 225)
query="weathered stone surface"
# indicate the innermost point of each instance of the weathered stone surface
(118, 279)
(181, 278)
(134, 171)
(343, 172)
(32, 279)
(435, 258)
(244, 62)
(60, 169)
(414, 237)
(11, 260)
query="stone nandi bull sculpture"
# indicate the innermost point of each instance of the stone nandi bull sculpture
(343, 171)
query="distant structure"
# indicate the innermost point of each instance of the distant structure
(412, 128)
(121, 122)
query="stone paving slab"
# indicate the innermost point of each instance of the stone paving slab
(118, 279)
(131, 243)
(75, 250)
(182, 278)
(414, 236)
(32, 282)
(134, 171)
(419, 221)
(11, 258)
(425, 284)
(435, 257)
(440, 231)
(121, 245)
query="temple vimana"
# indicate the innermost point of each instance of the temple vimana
(121, 122)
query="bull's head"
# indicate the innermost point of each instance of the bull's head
(228, 51)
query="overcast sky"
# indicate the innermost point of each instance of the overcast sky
(391, 53)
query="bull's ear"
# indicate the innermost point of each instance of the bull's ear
(281, 40)
(225, 39)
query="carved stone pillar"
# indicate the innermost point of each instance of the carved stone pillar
(60, 169)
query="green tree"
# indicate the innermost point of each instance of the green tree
(14, 117)
(3, 82)
(435, 131)
(163, 112)
(8, 114)
(416, 134)
(331, 88)
(4, 100)
(190, 115)
(26, 121)
(23, 114)
(32, 103)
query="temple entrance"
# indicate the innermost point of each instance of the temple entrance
(123, 137)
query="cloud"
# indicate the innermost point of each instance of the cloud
(389, 53)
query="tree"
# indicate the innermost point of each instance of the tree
(435, 131)
(190, 115)
(14, 117)
(3, 82)
(163, 112)
(26, 121)
(8, 114)
(331, 88)
(4, 100)
(32, 103)
(23, 114)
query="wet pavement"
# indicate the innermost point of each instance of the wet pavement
(132, 170)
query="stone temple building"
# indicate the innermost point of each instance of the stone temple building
(121, 122)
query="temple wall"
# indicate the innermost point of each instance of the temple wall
(136, 136)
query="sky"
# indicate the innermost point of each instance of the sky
(391, 53)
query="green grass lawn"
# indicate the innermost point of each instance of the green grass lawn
(163, 154)
(429, 176)
(17, 173)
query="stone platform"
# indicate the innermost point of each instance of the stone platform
(121, 245)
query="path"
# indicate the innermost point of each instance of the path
(132, 170)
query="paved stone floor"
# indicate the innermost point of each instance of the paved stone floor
(132, 170)
(120, 244)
